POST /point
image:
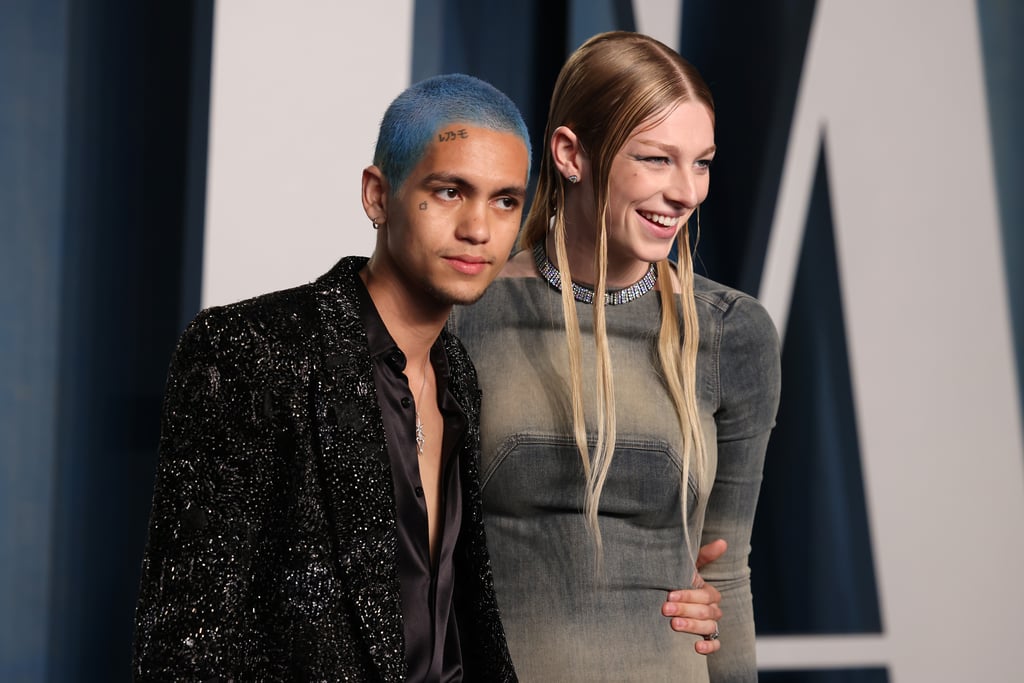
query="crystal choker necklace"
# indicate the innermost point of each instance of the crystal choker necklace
(586, 294)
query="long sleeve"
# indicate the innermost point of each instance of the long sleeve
(206, 509)
(749, 380)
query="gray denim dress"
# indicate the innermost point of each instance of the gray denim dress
(565, 618)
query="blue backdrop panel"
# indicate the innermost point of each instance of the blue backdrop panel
(122, 225)
(812, 568)
(588, 17)
(752, 61)
(825, 676)
(1002, 24)
(32, 113)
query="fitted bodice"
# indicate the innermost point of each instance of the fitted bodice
(565, 618)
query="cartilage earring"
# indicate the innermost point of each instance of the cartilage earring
(574, 179)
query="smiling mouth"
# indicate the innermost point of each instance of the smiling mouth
(660, 219)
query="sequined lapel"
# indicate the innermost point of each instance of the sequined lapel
(356, 470)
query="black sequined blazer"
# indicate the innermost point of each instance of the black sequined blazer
(272, 543)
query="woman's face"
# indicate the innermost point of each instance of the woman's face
(656, 181)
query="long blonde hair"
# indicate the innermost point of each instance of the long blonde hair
(609, 86)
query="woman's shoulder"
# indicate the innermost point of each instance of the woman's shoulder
(744, 340)
(715, 294)
(734, 308)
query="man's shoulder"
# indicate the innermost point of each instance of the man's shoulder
(266, 315)
(288, 307)
(289, 316)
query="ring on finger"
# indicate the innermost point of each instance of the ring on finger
(712, 636)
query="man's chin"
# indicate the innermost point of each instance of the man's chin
(465, 299)
(459, 297)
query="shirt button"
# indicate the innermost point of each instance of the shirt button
(419, 491)
(406, 402)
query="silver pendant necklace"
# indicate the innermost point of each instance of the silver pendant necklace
(421, 438)
(586, 294)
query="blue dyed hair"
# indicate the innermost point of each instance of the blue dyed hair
(418, 114)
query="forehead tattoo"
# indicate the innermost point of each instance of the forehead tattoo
(449, 135)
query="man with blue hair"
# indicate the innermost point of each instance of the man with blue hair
(317, 512)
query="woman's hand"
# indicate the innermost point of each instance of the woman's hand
(696, 610)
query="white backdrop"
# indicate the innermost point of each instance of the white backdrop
(297, 93)
(896, 92)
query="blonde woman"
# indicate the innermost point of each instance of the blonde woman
(598, 408)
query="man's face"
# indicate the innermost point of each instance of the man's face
(451, 225)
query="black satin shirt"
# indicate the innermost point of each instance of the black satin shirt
(432, 650)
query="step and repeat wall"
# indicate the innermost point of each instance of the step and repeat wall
(867, 221)
(161, 157)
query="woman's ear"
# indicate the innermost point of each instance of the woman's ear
(568, 154)
(375, 195)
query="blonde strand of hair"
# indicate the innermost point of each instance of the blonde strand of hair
(574, 344)
(679, 365)
(605, 395)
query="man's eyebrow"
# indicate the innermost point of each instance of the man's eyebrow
(442, 178)
(517, 191)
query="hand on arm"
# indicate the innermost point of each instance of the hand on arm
(696, 610)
